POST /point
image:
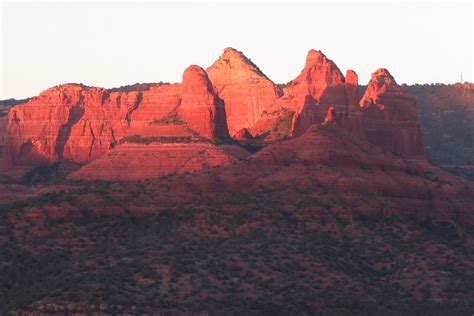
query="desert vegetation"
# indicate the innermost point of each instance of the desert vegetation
(447, 120)
(137, 87)
(138, 139)
(263, 260)
(171, 118)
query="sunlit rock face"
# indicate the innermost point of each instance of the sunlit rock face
(231, 98)
(79, 123)
(200, 108)
(246, 91)
(320, 86)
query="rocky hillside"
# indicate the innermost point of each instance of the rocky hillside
(324, 223)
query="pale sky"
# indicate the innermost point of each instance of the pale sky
(111, 44)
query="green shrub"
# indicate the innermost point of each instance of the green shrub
(171, 118)
(138, 139)
(282, 126)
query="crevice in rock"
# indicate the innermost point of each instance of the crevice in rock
(91, 146)
(128, 116)
(75, 114)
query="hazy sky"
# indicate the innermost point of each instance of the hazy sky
(111, 44)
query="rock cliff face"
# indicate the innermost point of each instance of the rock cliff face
(321, 79)
(389, 116)
(80, 123)
(246, 91)
(319, 86)
(202, 110)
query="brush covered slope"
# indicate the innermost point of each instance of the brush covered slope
(323, 223)
(129, 162)
(447, 124)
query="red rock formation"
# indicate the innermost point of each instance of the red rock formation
(352, 88)
(79, 123)
(389, 116)
(321, 79)
(156, 102)
(200, 108)
(246, 91)
(319, 86)
(243, 134)
(137, 161)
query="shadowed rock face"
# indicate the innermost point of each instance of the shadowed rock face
(80, 123)
(389, 116)
(354, 114)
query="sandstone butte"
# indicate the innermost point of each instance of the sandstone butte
(245, 89)
(389, 115)
(231, 98)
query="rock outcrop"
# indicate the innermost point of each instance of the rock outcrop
(389, 116)
(80, 123)
(319, 86)
(200, 108)
(354, 115)
(243, 134)
(128, 162)
(245, 89)
(321, 79)
(352, 88)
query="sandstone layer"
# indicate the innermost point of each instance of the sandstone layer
(137, 161)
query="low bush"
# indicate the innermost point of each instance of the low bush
(138, 139)
(171, 118)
